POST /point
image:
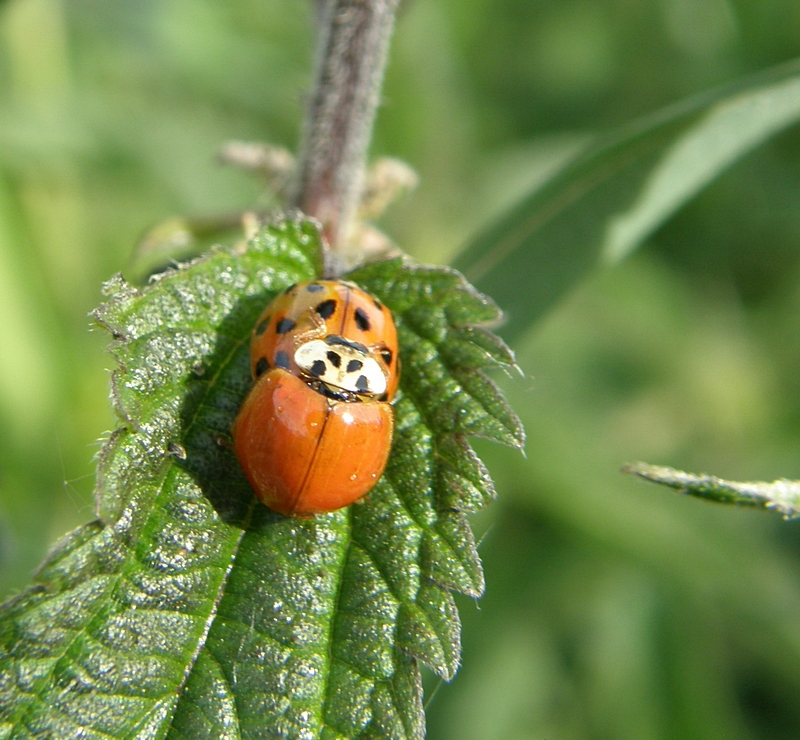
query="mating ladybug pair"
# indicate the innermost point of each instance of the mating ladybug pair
(314, 433)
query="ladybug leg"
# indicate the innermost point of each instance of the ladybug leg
(317, 330)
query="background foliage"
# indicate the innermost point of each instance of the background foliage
(612, 610)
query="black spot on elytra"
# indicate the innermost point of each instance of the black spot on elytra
(362, 384)
(336, 339)
(284, 325)
(262, 325)
(326, 308)
(318, 367)
(334, 358)
(362, 320)
(261, 366)
(386, 354)
(315, 288)
(354, 365)
(290, 288)
(282, 360)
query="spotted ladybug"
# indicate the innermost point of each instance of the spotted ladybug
(314, 433)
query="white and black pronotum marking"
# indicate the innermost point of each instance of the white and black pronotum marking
(343, 364)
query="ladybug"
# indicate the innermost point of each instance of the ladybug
(314, 433)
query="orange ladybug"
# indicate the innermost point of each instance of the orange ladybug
(314, 433)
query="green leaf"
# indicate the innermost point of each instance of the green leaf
(781, 495)
(189, 610)
(609, 199)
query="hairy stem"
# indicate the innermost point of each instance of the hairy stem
(352, 48)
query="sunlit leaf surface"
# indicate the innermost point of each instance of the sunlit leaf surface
(188, 609)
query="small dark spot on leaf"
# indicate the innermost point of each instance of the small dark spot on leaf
(282, 360)
(261, 366)
(354, 365)
(284, 325)
(334, 358)
(318, 367)
(362, 320)
(326, 308)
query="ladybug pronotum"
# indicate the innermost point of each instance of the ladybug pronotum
(314, 433)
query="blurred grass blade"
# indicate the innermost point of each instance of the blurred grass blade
(782, 496)
(614, 195)
(726, 132)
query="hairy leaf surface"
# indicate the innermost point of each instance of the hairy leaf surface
(189, 610)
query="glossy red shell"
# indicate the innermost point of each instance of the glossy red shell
(304, 449)
(304, 455)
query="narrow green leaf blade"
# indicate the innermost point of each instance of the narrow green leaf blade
(782, 495)
(615, 194)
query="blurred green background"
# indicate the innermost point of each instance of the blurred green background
(615, 610)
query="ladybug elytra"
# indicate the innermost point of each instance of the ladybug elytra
(314, 433)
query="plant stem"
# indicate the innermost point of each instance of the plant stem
(351, 57)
